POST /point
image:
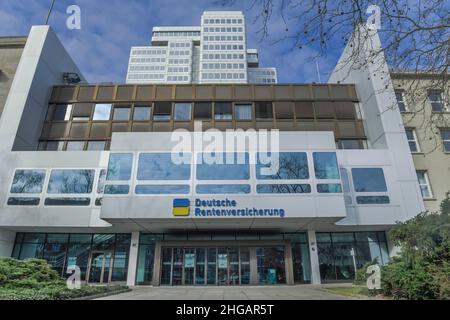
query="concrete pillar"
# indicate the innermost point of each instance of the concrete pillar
(314, 256)
(253, 267)
(6, 242)
(157, 264)
(289, 265)
(132, 259)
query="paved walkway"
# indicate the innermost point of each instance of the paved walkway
(300, 292)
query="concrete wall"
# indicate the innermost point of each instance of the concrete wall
(43, 62)
(384, 126)
(11, 49)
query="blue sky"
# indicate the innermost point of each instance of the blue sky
(110, 27)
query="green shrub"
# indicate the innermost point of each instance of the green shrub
(35, 279)
(422, 270)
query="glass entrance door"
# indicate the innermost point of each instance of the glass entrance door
(100, 267)
(222, 266)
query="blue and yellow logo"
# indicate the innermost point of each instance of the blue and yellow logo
(181, 207)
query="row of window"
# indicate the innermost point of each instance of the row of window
(223, 21)
(160, 166)
(148, 51)
(147, 68)
(261, 72)
(180, 53)
(93, 145)
(179, 61)
(222, 76)
(225, 66)
(186, 111)
(176, 34)
(178, 69)
(148, 60)
(101, 145)
(222, 29)
(180, 45)
(223, 47)
(181, 189)
(223, 38)
(146, 76)
(65, 250)
(177, 78)
(223, 166)
(435, 98)
(223, 56)
(414, 145)
(262, 80)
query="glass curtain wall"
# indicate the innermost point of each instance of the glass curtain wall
(335, 253)
(65, 250)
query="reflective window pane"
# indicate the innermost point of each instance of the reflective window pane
(71, 181)
(121, 114)
(16, 201)
(263, 110)
(96, 145)
(62, 112)
(102, 112)
(223, 111)
(160, 166)
(292, 165)
(325, 165)
(183, 111)
(283, 188)
(75, 146)
(243, 111)
(142, 113)
(223, 189)
(350, 144)
(162, 189)
(373, 200)
(163, 111)
(369, 180)
(101, 181)
(223, 166)
(28, 181)
(119, 167)
(67, 201)
(329, 188)
(203, 110)
(55, 146)
(117, 189)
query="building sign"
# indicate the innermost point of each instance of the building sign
(189, 260)
(222, 208)
(222, 261)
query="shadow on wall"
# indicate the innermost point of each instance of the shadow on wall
(3, 77)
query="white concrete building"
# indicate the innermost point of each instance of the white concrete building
(88, 178)
(215, 52)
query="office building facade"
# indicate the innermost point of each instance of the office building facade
(89, 178)
(215, 52)
(423, 100)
